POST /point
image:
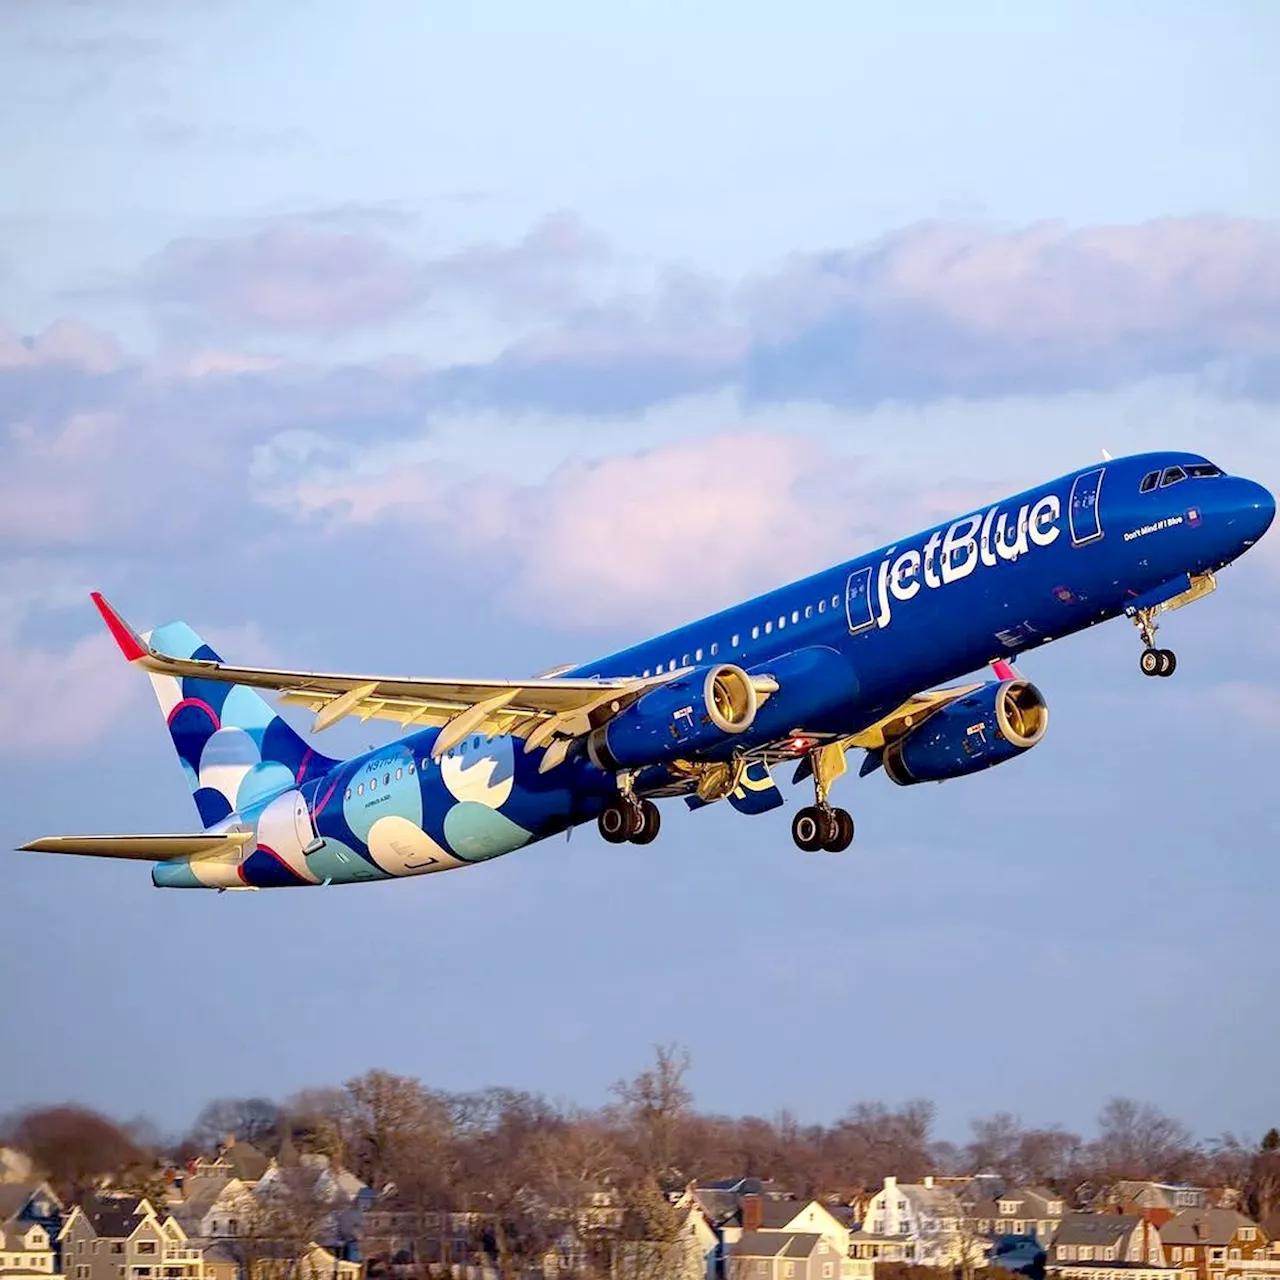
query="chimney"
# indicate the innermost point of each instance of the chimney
(928, 1181)
(890, 1186)
(752, 1213)
(229, 1141)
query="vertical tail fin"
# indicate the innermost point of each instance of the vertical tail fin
(233, 746)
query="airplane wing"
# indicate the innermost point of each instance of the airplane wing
(142, 848)
(546, 708)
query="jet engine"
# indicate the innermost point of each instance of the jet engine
(990, 726)
(692, 713)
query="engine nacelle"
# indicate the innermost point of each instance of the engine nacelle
(990, 726)
(692, 713)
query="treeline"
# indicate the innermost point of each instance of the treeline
(504, 1146)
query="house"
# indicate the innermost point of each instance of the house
(920, 1223)
(15, 1166)
(1025, 1212)
(796, 1216)
(1090, 1245)
(692, 1255)
(32, 1203)
(225, 1261)
(791, 1255)
(1155, 1201)
(234, 1160)
(27, 1252)
(1204, 1242)
(124, 1238)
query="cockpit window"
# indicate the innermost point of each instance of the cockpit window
(1149, 482)
(1171, 476)
(1203, 471)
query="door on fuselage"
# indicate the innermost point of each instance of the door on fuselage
(1083, 510)
(859, 608)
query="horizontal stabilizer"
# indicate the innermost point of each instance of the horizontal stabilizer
(143, 848)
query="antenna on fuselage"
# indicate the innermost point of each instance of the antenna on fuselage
(1106, 457)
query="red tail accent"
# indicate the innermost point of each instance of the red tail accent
(121, 632)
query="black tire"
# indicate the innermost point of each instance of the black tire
(1150, 662)
(616, 821)
(650, 823)
(842, 835)
(810, 829)
(1168, 662)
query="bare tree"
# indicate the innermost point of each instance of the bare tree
(1137, 1140)
(252, 1120)
(655, 1107)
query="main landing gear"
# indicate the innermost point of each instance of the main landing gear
(627, 818)
(1154, 662)
(820, 825)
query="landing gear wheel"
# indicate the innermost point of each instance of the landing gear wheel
(842, 831)
(619, 821)
(811, 828)
(1168, 662)
(1151, 662)
(650, 822)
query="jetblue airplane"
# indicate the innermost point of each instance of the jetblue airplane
(849, 658)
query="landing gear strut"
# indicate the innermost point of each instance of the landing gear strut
(627, 818)
(1154, 662)
(820, 826)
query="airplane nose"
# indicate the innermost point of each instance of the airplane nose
(1254, 511)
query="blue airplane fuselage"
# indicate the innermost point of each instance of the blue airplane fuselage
(845, 646)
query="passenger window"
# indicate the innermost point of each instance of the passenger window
(348, 795)
(1171, 476)
(1149, 482)
(733, 640)
(822, 606)
(808, 611)
(413, 768)
(399, 774)
(671, 666)
(755, 633)
(697, 655)
(715, 648)
(768, 628)
(782, 622)
(795, 616)
(646, 674)
(835, 602)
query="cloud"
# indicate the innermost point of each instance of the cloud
(60, 698)
(957, 309)
(692, 525)
(64, 342)
(298, 276)
(288, 277)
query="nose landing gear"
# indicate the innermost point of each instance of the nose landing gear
(1153, 662)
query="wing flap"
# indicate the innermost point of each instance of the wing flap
(406, 699)
(157, 848)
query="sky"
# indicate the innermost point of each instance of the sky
(476, 339)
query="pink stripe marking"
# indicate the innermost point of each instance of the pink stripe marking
(1003, 670)
(196, 702)
(302, 768)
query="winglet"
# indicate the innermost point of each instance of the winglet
(122, 633)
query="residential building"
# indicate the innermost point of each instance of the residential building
(27, 1252)
(1155, 1201)
(15, 1166)
(692, 1255)
(1105, 1240)
(1204, 1242)
(787, 1255)
(234, 1160)
(920, 1223)
(796, 1216)
(24, 1204)
(124, 1238)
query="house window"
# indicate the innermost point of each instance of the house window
(1086, 1253)
(827, 1269)
(146, 1246)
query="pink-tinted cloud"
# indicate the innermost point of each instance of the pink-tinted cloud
(63, 697)
(690, 526)
(289, 277)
